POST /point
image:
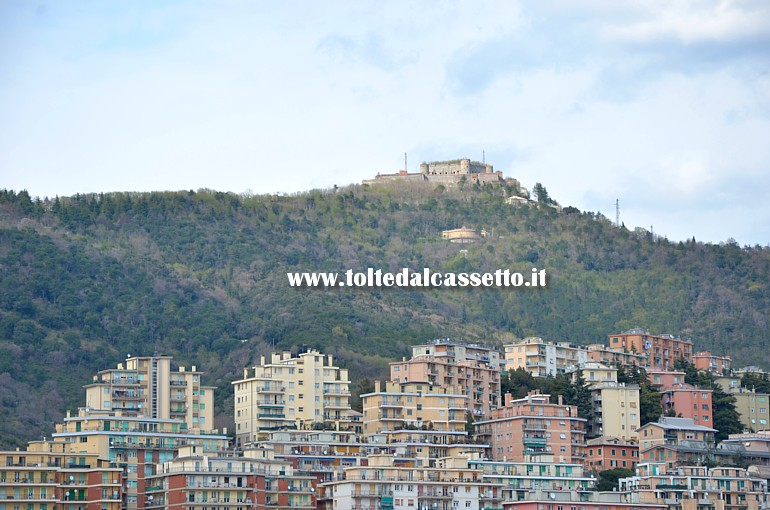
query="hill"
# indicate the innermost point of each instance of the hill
(201, 276)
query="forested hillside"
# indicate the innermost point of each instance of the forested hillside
(201, 275)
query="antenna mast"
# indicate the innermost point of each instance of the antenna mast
(617, 212)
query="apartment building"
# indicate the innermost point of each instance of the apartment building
(707, 362)
(415, 407)
(526, 428)
(289, 392)
(753, 407)
(615, 406)
(611, 452)
(146, 386)
(321, 453)
(661, 350)
(133, 443)
(616, 356)
(696, 487)
(541, 358)
(677, 442)
(516, 481)
(616, 410)
(200, 479)
(754, 447)
(581, 500)
(45, 477)
(473, 368)
(660, 379)
(688, 401)
(390, 483)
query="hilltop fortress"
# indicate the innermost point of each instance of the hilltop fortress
(447, 173)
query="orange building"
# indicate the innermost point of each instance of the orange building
(661, 350)
(615, 357)
(533, 426)
(708, 362)
(687, 401)
(610, 453)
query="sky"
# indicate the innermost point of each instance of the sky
(663, 106)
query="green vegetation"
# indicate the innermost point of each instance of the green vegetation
(201, 275)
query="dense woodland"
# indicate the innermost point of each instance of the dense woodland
(201, 275)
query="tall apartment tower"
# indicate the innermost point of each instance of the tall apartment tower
(289, 392)
(473, 368)
(531, 427)
(147, 387)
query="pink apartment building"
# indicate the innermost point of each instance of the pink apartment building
(687, 401)
(532, 426)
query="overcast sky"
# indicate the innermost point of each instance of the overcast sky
(662, 105)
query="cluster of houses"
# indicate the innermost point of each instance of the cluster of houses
(438, 435)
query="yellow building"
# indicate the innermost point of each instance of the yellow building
(617, 407)
(541, 358)
(146, 386)
(414, 406)
(291, 392)
(45, 477)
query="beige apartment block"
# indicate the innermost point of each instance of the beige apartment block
(399, 408)
(146, 386)
(541, 358)
(661, 350)
(44, 477)
(292, 392)
(615, 405)
(532, 426)
(753, 407)
(473, 368)
(616, 410)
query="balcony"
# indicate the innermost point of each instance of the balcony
(378, 493)
(433, 494)
(271, 388)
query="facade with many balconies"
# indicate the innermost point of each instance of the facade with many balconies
(473, 368)
(291, 392)
(147, 387)
(533, 426)
(543, 359)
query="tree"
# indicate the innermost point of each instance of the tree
(541, 194)
(650, 408)
(608, 480)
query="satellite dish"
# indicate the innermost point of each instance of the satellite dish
(552, 495)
